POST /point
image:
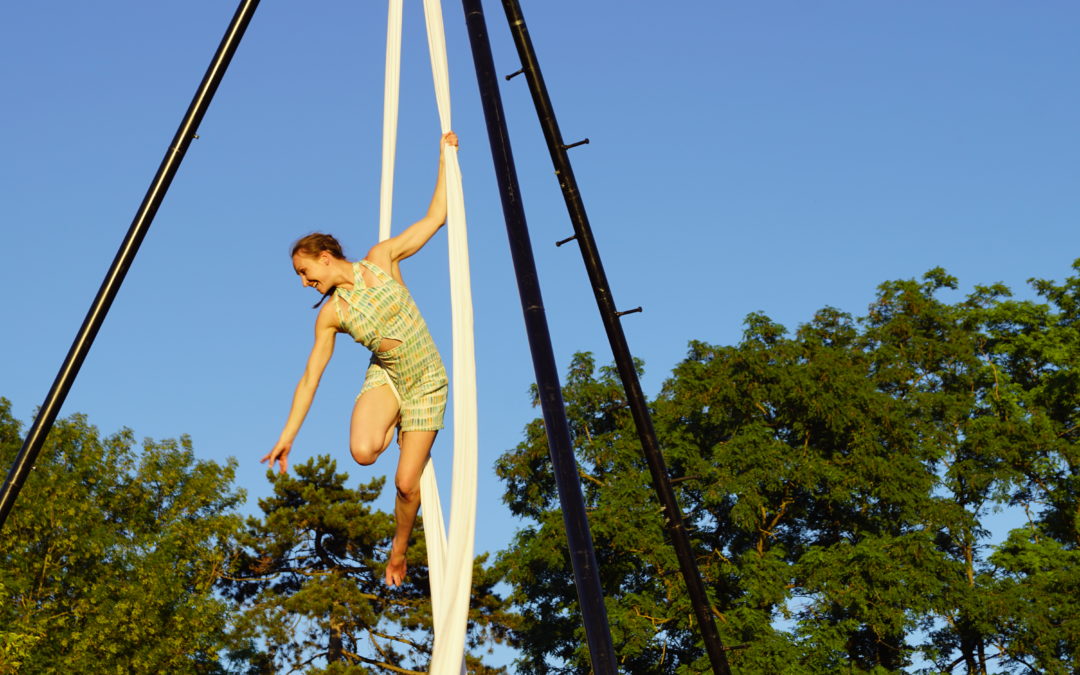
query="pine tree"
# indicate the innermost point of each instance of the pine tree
(309, 577)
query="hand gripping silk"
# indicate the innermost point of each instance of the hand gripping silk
(450, 559)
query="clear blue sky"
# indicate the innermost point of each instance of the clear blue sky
(750, 156)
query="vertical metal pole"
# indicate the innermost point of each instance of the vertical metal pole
(582, 553)
(35, 438)
(624, 361)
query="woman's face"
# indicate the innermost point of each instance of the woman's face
(313, 270)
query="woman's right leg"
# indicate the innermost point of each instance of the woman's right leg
(374, 417)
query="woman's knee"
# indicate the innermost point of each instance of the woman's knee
(366, 450)
(408, 489)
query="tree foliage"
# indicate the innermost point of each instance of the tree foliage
(108, 559)
(309, 577)
(839, 483)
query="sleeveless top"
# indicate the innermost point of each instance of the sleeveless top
(370, 314)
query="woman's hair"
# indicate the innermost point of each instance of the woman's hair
(314, 244)
(317, 242)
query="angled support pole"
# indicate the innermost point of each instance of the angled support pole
(582, 553)
(35, 437)
(610, 316)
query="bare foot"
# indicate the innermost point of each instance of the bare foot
(395, 567)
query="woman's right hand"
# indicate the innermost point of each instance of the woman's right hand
(280, 454)
(449, 138)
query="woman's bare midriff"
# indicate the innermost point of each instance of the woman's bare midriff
(388, 343)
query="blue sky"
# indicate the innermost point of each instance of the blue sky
(766, 156)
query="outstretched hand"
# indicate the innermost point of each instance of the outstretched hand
(279, 455)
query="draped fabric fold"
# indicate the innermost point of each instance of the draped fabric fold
(450, 555)
(390, 115)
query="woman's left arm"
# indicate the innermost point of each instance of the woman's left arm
(416, 235)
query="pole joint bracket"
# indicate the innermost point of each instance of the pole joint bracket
(574, 145)
(629, 311)
(514, 74)
(567, 240)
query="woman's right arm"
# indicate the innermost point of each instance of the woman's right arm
(321, 351)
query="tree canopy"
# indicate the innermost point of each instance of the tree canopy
(843, 484)
(127, 559)
(108, 560)
(839, 482)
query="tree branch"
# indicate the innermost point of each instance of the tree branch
(384, 664)
(414, 645)
(582, 474)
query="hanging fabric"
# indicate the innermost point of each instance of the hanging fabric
(392, 80)
(450, 559)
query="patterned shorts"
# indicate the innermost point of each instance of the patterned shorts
(415, 372)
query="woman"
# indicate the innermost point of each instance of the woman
(405, 385)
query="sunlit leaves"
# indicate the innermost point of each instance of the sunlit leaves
(109, 557)
(838, 483)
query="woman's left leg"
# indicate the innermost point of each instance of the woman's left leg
(372, 426)
(415, 450)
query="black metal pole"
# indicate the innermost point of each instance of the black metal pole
(582, 553)
(624, 361)
(35, 438)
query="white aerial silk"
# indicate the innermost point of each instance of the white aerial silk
(450, 560)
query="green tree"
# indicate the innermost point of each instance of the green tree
(309, 576)
(837, 482)
(1035, 346)
(108, 559)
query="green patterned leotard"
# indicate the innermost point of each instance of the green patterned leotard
(414, 368)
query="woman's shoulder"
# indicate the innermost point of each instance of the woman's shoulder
(379, 255)
(328, 315)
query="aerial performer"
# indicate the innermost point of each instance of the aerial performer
(405, 386)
